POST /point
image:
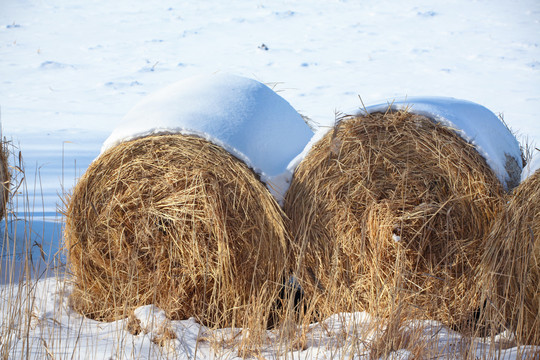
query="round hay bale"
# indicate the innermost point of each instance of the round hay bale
(390, 212)
(175, 221)
(510, 270)
(4, 179)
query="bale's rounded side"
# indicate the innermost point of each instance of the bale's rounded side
(510, 272)
(178, 222)
(389, 214)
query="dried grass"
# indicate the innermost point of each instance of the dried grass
(389, 214)
(510, 272)
(178, 222)
(4, 179)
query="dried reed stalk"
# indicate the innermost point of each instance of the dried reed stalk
(510, 271)
(4, 179)
(389, 213)
(178, 222)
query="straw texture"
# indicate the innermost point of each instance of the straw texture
(510, 272)
(178, 222)
(389, 214)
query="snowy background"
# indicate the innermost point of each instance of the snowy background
(70, 70)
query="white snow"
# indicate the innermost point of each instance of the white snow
(70, 70)
(242, 115)
(150, 317)
(532, 166)
(56, 330)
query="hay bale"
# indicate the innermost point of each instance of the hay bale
(473, 122)
(175, 221)
(4, 179)
(389, 212)
(510, 271)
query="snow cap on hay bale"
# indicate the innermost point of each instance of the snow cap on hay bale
(242, 115)
(4, 179)
(510, 271)
(473, 122)
(391, 210)
(175, 221)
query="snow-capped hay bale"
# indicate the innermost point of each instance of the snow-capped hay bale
(391, 210)
(473, 122)
(510, 269)
(242, 115)
(175, 221)
(4, 179)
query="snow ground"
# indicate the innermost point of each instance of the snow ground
(69, 335)
(70, 71)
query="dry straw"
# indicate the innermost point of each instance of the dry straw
(178, 222)
(4, 179)
(389, 214)
(510, 271)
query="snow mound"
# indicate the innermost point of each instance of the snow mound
(242, 115)
(474, 123)
(532, 166)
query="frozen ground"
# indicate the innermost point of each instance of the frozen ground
(70, 71)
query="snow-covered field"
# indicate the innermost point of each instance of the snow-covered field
(71, 70)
